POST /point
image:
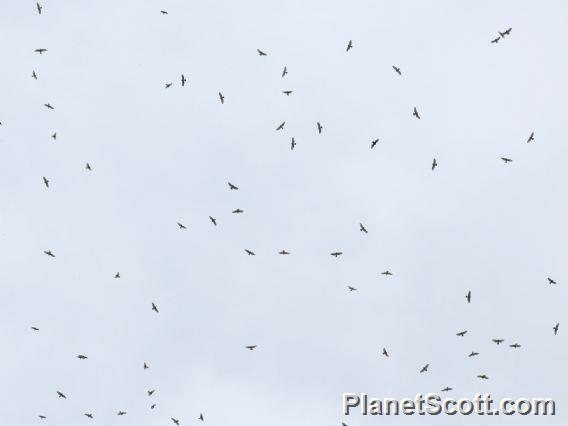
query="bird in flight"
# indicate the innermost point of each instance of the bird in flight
(397, 70)
(150, 392)
(48, 106)
(237, 211)
(155, 308)
(506, 160)
(164, 12)
(117, 275)
(551, 281)
(446, 389)
(284, 72)
(89, 415)
(35, 328)
(292, 144)
(34, 75)
(46, 182)
(42, 417)
(200, 417)
(213, 220)
(531, 138)
(336, 253)
(281, 126)
(483, 376)
(260, 52)
(181, 226)
(434, 164)
(385, 353)
(515, 345)
(250, 348)
(249, 252)
(468, 297)
(81, 356)
(415, 113)
(168, 85)
(221, 98)
(498, 341)
(39, 8)
(386, 273)
(40, 51)
(146, 366)
(496, 40)
(54, 136)
(49, 253)
(176, 421)
(183, 80)
(461, 333)
(362, 228)
(61, 395)
(425, 368)
(152, 406)
(287, 92)
(373, 143)
(319, 127)
(121, 413)
(351, 288)
(505, 33)
(88, 167)
(473, 353)
(283, 252)
(555, 328)
(349, 46)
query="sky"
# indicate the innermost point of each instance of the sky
(161, 156)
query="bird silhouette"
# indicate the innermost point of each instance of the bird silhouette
(146, 366)
(505, 33)
(283, 252)
(434, 164)
(425, 368)
(213, 220)
(320, 127)
(49, 253)
(201, 417)
(35, 328)
(88, 167)
(483, 376)
(498, 341)
(164, 12)
(496, 40)
(155, 308)
(473, 353)
(260, 52)
(183, 80)
(515, 345)
(385, 353)
(555, 328)
(446, 389)
(468, 297)
(42, 417)
(531, 137)
(461, 333)
(40, 51)
(221, 98)
(287, 92)
(284, 72)
(152, 406)
(49, 106)
(336, 253)
(176, 421)
(415, 113)
(117, 275)
(181, 225)
(551, 281)
(351, 288)
(251, 347)
(233, 187)
(237, 211)
(362, 228)
(506, 160)
(89, 415)
(292, 145)
(34, 75)
(61, 395)
(250, 252)
(81, 356)
(39, 8)
(168, 85)
(46, 182)
(349, 46)
(121, 413)
(151, 392)
(281, 126)
(386, 273)
(397, 70)
(54, 136)
(373, 143)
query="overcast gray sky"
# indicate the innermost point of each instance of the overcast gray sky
(162, 156)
